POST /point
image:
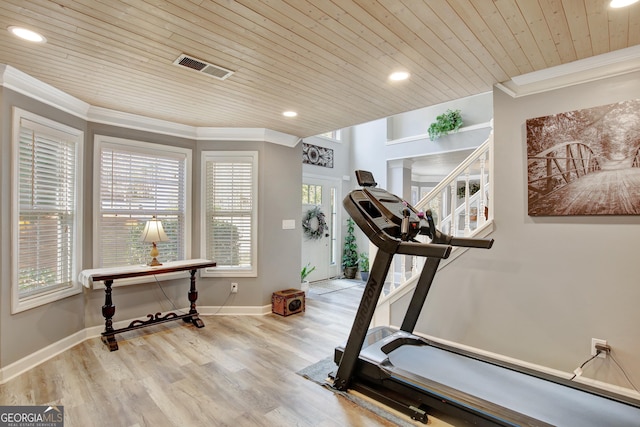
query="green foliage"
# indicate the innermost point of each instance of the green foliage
(449, 121)
(31, 279)
(306, 270)
(473, 189)
(350, 248)
(364, 261)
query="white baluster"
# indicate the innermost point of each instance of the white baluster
(467, 208)
(482, 202)
(454, 218)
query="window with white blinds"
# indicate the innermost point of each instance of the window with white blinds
(47, 210)
(137, 181)
(230, 201)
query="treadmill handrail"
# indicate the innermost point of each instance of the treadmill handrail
(424, 249)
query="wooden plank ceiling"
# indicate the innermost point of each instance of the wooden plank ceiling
(326, 59)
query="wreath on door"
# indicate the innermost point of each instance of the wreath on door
(314, 223)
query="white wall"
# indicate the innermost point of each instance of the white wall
(367, 153)
(549, 284)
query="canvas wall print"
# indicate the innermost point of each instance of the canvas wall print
(585, 162)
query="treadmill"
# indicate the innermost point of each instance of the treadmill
(414, 375)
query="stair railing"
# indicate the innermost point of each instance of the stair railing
(461, 206)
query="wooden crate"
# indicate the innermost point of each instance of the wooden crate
(288, 301)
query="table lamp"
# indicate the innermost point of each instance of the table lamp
(153, 232)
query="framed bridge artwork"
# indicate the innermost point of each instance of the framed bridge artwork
(585, 162)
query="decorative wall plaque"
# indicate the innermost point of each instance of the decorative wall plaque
(316, 155)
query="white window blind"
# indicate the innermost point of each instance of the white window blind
(231, 211)
(47, 207)
(137, 182)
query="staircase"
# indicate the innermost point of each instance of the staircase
(461, 206)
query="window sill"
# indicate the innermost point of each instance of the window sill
(19, 305)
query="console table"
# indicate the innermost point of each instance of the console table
(108, 275)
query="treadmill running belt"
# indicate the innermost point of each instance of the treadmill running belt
(538, 398)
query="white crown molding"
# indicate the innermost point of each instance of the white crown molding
(20, 82)
(585, 70)
(280, 138)
(229, 134)
(23, 83)
(133, 121)
(399, 163)
(246, 134)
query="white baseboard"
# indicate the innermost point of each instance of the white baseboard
(34, 359)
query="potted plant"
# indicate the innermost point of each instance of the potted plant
(306, 271)
(364, 266)
(449, 121)
(350, 252)
(473, 189)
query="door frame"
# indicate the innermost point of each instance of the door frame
(337, 183)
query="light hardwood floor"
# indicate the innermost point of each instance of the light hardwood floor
(236, 371)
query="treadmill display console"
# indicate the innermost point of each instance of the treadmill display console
(365, 179)
(384, 217)
(395, 211)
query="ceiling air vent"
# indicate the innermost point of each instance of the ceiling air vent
(202, 67)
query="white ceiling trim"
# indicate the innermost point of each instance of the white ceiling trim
(23, 83)
(609, 64)
(246, 134)
(133, 121)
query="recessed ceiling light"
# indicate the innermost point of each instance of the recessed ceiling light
(26, 34)
(621, 3)
(399, 75)
(289, 114)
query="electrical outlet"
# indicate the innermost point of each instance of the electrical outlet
(234, 288)
(594, 350)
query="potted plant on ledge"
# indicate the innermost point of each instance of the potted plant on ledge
(350, 252)
(449, 121)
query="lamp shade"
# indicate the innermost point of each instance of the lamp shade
(153, 232)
